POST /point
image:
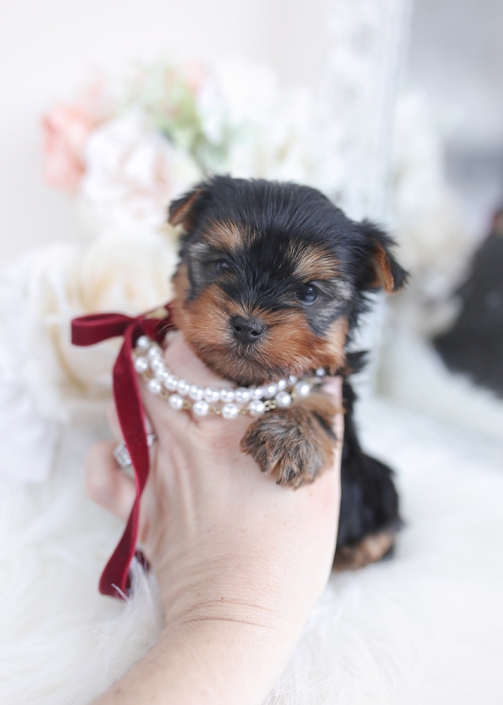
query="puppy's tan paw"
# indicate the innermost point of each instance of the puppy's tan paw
(369, 550)
(290, 445)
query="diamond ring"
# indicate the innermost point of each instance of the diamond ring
(121, 453)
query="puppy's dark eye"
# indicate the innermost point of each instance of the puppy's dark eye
(307, 293)
(221, 266)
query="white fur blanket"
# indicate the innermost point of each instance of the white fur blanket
(425, 627)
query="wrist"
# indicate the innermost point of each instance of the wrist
(223, 601)
(254, 590)
(234, 659)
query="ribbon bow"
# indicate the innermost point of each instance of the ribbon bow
(89, 330)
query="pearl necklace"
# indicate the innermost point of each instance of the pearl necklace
(229, 403)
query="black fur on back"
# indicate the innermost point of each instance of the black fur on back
(369, 500)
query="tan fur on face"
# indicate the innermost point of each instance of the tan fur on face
(316, 263)
(224, 235)
(336, 341)
(205, 320)
(289, 346)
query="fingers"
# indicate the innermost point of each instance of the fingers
(106, 484)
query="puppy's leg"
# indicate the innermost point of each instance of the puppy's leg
(294, 444)
(369, 515)
(369, 550)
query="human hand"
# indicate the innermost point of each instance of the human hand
(226, 543)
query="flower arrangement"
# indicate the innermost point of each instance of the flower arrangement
(123, 150)
(126, 151)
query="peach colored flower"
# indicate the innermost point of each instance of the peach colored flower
(66, 129)
(132, 173)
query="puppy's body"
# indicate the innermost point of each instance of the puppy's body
(271, 282)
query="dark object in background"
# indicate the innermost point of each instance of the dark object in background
(475, 343)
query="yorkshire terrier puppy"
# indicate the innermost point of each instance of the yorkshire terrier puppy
(271, 281)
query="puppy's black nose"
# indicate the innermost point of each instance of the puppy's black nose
(247, 330)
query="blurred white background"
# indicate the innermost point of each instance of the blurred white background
(46, 49)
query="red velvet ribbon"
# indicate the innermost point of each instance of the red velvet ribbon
(89, 330)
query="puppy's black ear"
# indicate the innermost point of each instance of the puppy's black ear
(382, 270)
(184, 210)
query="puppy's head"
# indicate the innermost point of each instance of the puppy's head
(272, 277)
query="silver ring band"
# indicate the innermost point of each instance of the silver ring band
(121, 453)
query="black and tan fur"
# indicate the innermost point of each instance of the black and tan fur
(281, 260)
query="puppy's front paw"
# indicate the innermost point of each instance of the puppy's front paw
(292, 445)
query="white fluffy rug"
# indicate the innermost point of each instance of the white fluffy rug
(425, 627)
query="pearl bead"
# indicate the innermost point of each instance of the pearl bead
(156, 364)
(242, 395)
(196, 393)
(154, 386)
(226, 395)
(320, 372)
(302, 389)
(154, 353)
(282, 384)
(162, 374)
(230, 411)
(258, 392)
(141, 364)
(283, 400)
(293, 379)
(143, 343)
(176, 402)
(212, 395)
(171, 383)
(256, 407)
(183, 387)
(201, 408)
(270, 391)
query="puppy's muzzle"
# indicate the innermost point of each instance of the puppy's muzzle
(247, 330)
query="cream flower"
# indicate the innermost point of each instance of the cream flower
(132, 173)
(126, 272)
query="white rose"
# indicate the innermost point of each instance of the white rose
(132, 173)
(127, 272)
